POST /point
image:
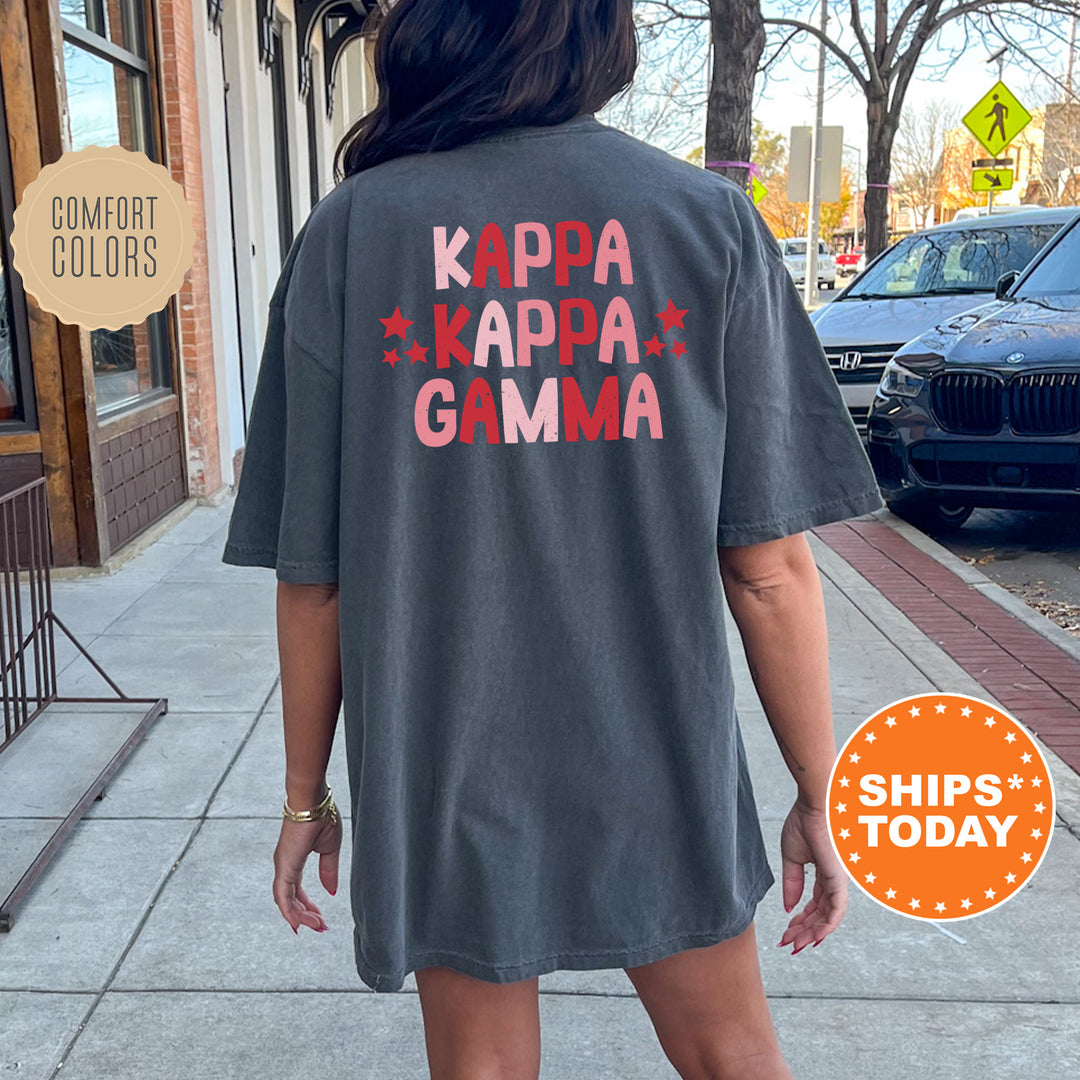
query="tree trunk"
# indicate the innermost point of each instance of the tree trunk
(881, 130)
(738, 39)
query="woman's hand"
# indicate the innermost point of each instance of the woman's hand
(805, 839)
(297, 841)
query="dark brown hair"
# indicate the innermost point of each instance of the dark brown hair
(450, 71)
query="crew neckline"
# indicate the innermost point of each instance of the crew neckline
(581, 122)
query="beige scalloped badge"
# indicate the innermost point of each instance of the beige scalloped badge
(103, 237)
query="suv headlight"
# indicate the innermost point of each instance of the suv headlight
(898, 381)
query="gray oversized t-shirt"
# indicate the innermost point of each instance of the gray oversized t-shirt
(512, 397)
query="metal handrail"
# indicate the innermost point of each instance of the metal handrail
(26, 547)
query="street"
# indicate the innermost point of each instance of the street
(1033, 554)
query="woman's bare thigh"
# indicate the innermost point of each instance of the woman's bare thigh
(710, 1012)
(478, 1030)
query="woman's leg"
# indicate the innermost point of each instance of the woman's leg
(477, 1030)
(710, 1013)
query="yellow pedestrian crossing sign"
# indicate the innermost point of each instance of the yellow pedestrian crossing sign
(997, 119)
(991, 179)
(758, 190)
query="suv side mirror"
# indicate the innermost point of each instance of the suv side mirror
(1005, 283)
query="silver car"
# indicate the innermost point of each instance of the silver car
(923, 281)
(794, 251)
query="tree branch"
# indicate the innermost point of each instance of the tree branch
(860, 34)
(898, 30)
(832, 46)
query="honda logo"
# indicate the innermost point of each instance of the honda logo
(849, 361)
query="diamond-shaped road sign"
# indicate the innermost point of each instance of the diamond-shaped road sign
(991, 180)
(758, 190)
(997, 118)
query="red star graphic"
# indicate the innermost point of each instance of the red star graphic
(672, 316)
(678, 348)
(396, 324)
(654, 346)
(390, 357)
(417, 353)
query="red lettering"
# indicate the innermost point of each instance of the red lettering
(491, 252)
(480, 406)
(446, 336)
(605, 415)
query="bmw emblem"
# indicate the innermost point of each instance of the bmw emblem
(849, 361)
(1014, 358)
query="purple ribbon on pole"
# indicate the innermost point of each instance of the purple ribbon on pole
(754, 170)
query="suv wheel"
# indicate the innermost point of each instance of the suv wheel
(931, 514)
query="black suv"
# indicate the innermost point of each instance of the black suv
(984, 410)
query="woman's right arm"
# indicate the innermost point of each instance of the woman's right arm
(774, 593)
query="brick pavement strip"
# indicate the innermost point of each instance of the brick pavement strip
(1034, 679)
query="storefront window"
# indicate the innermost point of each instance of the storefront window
(16, 380)
(108, 94)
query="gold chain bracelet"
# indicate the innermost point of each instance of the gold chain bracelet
(327, 808)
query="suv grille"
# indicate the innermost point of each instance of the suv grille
(1046, 404)
(975, 403)
(967, 402)
(872, 361)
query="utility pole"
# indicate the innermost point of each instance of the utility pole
(813, 229)
(1072, 52)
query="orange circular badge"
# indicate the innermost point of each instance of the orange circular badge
(941, 806)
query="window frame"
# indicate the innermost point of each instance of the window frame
(161, 325)
(20, 328)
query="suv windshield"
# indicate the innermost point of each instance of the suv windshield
(798, 247)
(958, 260)
(1059, 272)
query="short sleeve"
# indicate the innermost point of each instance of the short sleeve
(793, 458)
(285, 515)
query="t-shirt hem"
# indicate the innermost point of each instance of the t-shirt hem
(631, 956)
(289, 571)
(848, 506)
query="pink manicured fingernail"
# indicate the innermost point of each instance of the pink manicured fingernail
(296, 929)
(816, 944)
(333, 892)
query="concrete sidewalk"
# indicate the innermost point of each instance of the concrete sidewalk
(151, 948)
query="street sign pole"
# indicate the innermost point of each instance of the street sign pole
(812, 230)
(999, 59)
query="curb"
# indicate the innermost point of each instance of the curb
(990, 589)
(1066, 780)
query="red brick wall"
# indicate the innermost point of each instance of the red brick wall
(184, 155)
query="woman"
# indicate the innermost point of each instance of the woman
(534, 397)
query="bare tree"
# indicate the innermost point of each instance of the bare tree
(889, 40)
(879, 45)
(665, 103)
(736, 38)
(918, 157)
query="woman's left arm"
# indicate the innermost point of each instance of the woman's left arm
(310, 659)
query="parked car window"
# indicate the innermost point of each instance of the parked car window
(795, 247)
(961, 260)
(1059, 272)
